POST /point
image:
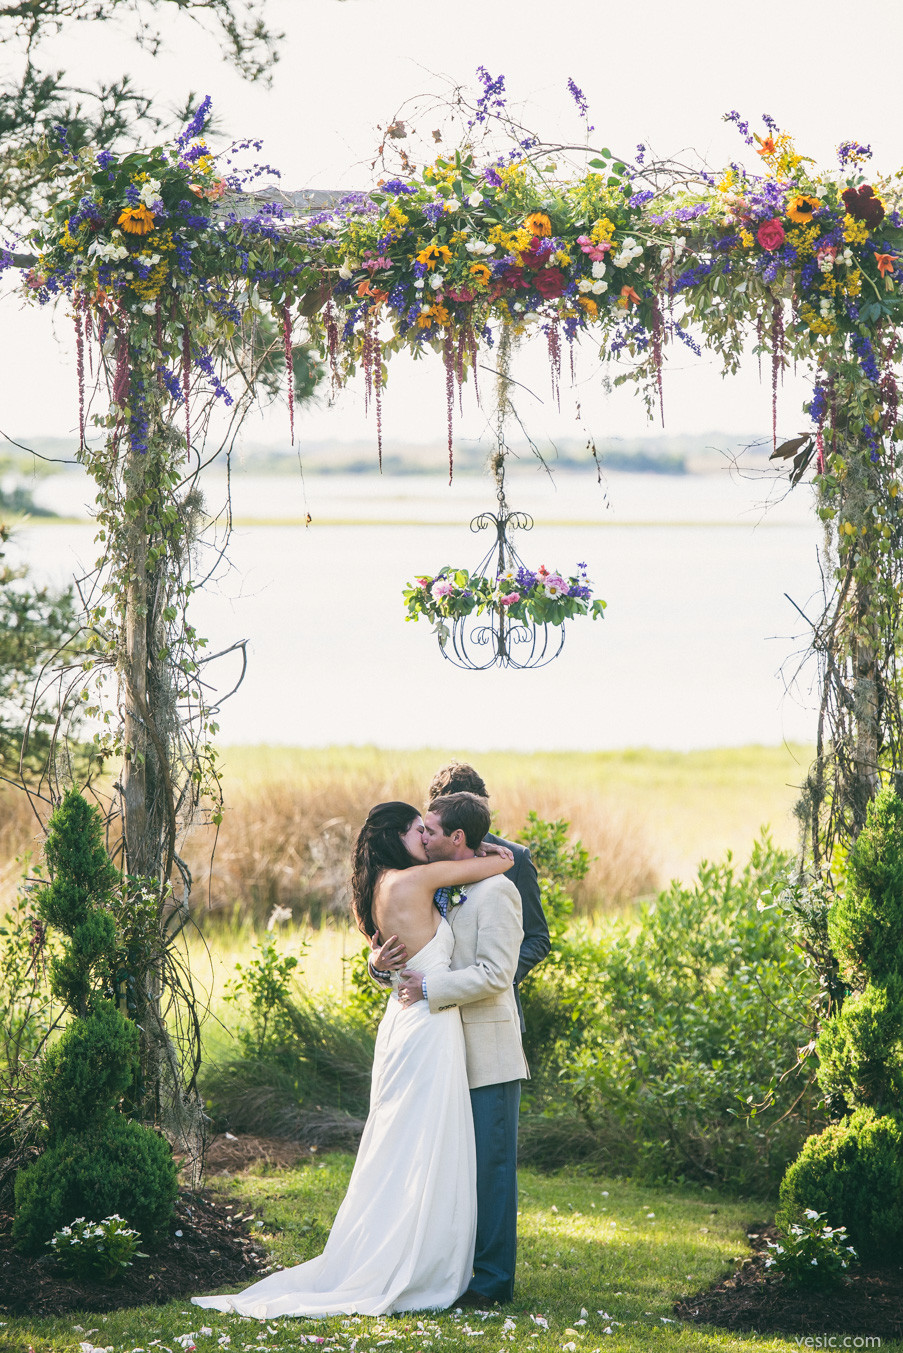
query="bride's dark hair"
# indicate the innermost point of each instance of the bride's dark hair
(378, 846)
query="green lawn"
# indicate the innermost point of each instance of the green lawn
(620, 1253)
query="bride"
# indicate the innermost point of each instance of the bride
(403, 1238)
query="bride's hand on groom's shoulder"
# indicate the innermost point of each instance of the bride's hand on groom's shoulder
(389, 956)
(490, 848)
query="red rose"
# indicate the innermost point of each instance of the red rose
(550, 283)
(770, 234)
(514, 278)
(537, 255)
(863, 205)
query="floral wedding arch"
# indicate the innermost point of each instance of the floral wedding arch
(189, 289)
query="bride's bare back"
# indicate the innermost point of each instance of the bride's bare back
(403, 898)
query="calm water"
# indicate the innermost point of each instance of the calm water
(689, 655)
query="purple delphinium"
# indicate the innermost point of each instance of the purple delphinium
(742, 127)
(686, 338)
(864, 351)
(770, 123)
(397, 186)
(492, 100)
(197, 123)
(641, 198)
(434, 211)
(580, 100)
(817, 408)
(851, 151)
(641, 154)
(491, 177)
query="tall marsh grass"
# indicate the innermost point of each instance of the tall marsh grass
(644, 816)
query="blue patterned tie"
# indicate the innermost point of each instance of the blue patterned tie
(442, 897)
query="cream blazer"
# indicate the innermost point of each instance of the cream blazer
(488, 931)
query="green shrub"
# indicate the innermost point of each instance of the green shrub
(116, 1166)
(96, 1162)
(88, 1071)
(686, 1056)
(866, 922)
(861, 1047)
(853, 1173)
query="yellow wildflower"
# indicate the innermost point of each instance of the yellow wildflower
(395, 216)
(802, 238)
(68, 241)
(589, 305)
(854, 232)
(853, 285)
(819, 324)
(561, 257)
(148, 288)
(602, 230)
(726, 183)
(746, 238)
(458, 236)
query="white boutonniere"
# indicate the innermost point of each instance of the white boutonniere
(456, 897)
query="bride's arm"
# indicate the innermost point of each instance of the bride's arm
(457, 873)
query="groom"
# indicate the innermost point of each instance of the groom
(487, 923)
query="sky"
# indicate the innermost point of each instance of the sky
(658, 73)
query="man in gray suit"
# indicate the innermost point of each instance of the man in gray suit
(489, 961)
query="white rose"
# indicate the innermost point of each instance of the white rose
(436, 281)
(475, 199)
(419, 284)
(599, 269)
(584, 284)
(599, 288)
(150, 308)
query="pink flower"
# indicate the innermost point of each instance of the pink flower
(441, 588)
(770, 234)
(372, 265)
(460, 293)
(554, 585)
(596, 252)
(423, 583)
(510, 599)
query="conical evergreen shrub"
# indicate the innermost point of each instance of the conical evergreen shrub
(96, 1160)
(853, 1170)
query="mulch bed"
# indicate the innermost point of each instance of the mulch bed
(869, 1303)
(216, 1249)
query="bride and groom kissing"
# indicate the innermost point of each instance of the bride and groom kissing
(430, 1216)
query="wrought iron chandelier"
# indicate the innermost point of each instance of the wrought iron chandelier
(495, 638)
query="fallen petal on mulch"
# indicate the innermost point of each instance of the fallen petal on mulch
(870, 1303)
(204, 1250)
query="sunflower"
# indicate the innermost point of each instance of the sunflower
(480, 273)
(802, 208)
(136, 220)
(538, 224)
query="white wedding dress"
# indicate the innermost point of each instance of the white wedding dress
(403, 1239)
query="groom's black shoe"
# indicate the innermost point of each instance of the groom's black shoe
(474, 1300)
